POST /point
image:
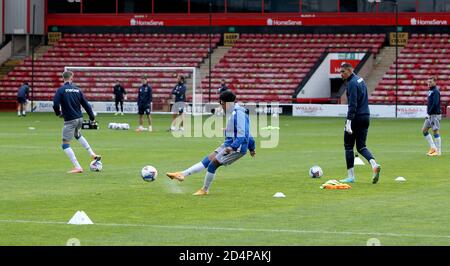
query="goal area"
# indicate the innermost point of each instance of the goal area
(97, 83)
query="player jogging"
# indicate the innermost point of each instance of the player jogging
(237, 141)
(357, 125)
(67, 103)
(433, 118)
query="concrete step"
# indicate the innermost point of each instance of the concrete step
(41, 50)
(8, 66)
(382, 64)
(216, 56)
(12, 62)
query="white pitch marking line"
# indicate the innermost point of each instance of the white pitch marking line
(239, 229)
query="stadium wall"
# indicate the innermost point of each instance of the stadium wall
(2, 20)
(319, 87)
(305, 110)
(247, 29)
(251, 19)
(376, 111)
(249, 23)
(18, 16)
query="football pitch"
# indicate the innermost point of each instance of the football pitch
(37, 197)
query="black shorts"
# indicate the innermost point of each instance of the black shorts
(21, 100)
(144, 110)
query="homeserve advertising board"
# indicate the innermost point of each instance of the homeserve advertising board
(340, 110)
(100, 107)
(315, 110)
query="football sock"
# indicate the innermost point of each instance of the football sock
(198, 167)
(373, 163)
(437, 142)
(85, 144)
(209, 177)
(68, 150)
(351, 172)
(430, 140)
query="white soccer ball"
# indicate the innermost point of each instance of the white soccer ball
(96, 166)
(149, 173)
(315, 171)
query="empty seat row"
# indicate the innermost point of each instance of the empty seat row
(425, 55)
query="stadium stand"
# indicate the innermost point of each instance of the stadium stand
(424, 55)
(260, 67)
(269, 67)
(111, 50)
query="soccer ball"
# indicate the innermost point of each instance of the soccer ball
(149, 173)
(96, 166)
(315, 171)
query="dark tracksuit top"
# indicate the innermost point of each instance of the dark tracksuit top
(119, 91)
(145, 96)
(23, 91)
(434, 101)
(68, 99)
(180, 92)
(358, 102)
(222, 88)
(359, 114)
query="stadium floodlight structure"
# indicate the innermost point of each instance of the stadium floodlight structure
(396, 56)
(195, 102)
(210, 52)
(32, 57)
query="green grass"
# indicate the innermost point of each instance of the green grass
(37, 197)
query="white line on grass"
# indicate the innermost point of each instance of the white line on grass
(187, 227)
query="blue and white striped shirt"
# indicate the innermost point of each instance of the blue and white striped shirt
(237, 132)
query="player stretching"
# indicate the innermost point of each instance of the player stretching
(67, 103)
(357, 125)
(237, 141)
(433, 118)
